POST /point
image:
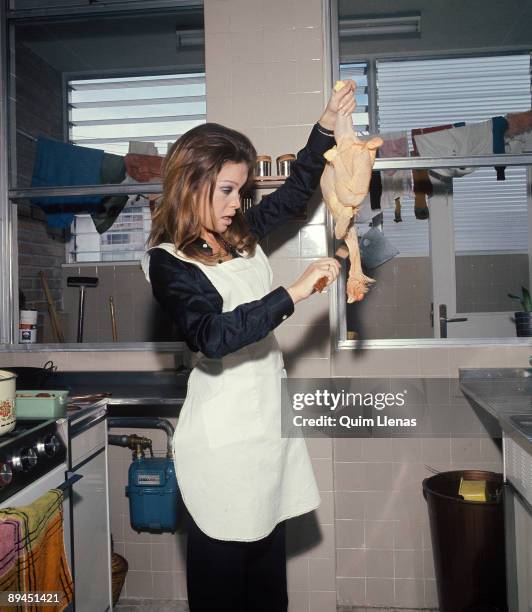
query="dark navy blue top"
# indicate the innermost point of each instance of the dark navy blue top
(192, 301)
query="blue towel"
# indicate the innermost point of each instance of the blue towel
(62, 164)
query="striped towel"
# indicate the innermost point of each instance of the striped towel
(32, 552)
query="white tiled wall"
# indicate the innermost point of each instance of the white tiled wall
(265, 77)
(383, 546)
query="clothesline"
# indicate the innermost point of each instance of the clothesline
(70, 179)
(390, 163)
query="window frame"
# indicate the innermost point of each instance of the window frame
(110, 74)
(337, 303)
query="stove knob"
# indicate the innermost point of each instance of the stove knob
(49, 446)
(26, 460)
(6, 474)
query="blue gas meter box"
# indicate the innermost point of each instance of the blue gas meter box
(154, 497)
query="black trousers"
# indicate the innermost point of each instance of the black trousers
(228, 576)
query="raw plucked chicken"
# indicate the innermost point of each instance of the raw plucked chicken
(344, 185)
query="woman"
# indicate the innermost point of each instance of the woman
(239, 479)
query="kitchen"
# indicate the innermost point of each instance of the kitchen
(268, 68)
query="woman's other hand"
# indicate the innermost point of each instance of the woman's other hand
(341, 102)
(326, 267)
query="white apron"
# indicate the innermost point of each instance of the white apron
(237, 476)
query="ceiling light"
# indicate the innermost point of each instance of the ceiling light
(190, 38)
(380, 26)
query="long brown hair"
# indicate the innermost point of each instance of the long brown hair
(190, 170)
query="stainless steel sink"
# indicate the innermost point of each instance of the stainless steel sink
(523, 422)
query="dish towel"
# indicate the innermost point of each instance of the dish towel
(113, 171)
(32, 552)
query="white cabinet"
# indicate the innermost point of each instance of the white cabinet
(90, 515)
(518, 524)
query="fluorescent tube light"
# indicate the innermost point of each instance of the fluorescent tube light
(190, 38)
(380, 26)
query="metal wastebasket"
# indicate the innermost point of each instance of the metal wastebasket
(467, 542)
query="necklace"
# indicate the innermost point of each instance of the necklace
(228, 249)
(224, 248)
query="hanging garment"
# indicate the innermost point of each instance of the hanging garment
(421, 178)
(113, 171)
(370, 206)
(395, 145)
(499, 127)
(470, 139)
(62, 164)
(394, 186)
(144, 168)
(375, 190)
(142, 148)
(519, 123)
(515, 140)
(395, 183)
(375, 249)
(238, 477)
(397, 211)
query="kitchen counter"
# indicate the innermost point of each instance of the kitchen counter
(504, 393)
(156, 393)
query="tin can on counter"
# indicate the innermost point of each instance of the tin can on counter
(263, 165)
(27, 328)
(7, 401)
(284, 163)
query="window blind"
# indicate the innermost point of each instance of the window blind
(359, 74)
(109, 113)
(489, 216)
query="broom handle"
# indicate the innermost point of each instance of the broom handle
(51, 309)
(113, 319)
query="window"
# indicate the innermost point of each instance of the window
(359, 74)
(422, 93)
(108, 114)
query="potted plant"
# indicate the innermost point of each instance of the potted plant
(523, 318)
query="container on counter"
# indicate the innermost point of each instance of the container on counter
(45, 404)
(27, 327)
(284, 164)
(263, 165)
(7, 401)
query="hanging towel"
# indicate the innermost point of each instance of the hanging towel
(32, 552)
(62, 164)
(113, 171)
